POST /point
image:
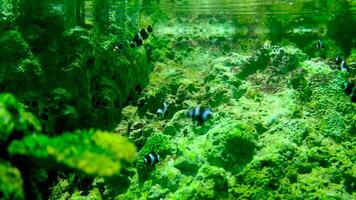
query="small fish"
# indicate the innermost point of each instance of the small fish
(338, 60)
(162, 111)
(319, 45)
(149, 29)
(348, 88)
(144, 34)
(353, 98)
(136, 41)
(344, 67)
(139, 37)
(118, 47)
(200, 114)
(151, 158)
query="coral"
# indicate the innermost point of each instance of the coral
(95, 153)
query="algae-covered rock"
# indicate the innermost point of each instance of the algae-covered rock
(73, 187)
(11, 183)
(278, 119)
(157, 143)
(186, 165)
(95, 153)
(232, 145)
(209, 183)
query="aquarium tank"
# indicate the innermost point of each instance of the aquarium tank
(177, 99)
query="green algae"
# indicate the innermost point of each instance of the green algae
(282, 127)
(224, 140)
(260, 149)
(157, 143)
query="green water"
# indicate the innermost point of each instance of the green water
(223, 99)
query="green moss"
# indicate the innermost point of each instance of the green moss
(95, 153)
(224, 140)
(210, 183)
(157, 143)
(282, 127)
(299, 83)
(287, 122)
(177, 124)
(258, 61)
(93, 195)
(186, 165)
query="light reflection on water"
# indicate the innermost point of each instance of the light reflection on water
(301, 21)
(303, 16)
(249, 7)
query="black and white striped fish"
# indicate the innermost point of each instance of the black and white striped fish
(353, 98)
(139, 37)
(319, 45)
(200, 114)
(119, 47)
(151, 158)
(163, 110)
(137, 40)
(338, 60)
(350, 90)
(344, 66)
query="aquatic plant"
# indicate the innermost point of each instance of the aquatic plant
(94, 153)
(91, 153)
(16, 123)
(11, 183)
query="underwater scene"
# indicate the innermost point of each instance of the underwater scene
(177, 99)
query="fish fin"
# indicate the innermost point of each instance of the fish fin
(165, 104)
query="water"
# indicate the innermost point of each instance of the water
(224, 99)
(262, 20)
